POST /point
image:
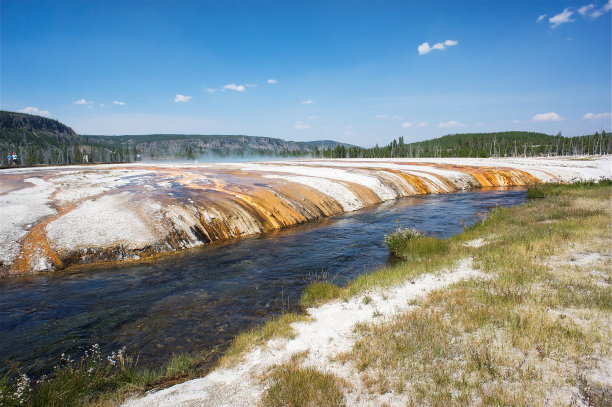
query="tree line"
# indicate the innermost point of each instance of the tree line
(500, 144)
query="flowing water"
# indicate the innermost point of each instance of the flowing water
(198, 300)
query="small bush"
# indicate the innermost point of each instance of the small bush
(398, 240)
(410, 243)
(535, 192)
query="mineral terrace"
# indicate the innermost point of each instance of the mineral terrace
(56, 217)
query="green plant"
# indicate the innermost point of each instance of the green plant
(398, 240)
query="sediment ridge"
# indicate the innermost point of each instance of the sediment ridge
(57, 217)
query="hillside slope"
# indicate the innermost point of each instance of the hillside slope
(40, 140)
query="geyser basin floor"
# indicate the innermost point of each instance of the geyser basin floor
(58, 217)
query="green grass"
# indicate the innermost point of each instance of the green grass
(92, 380)
(319, 292)
(275, 328)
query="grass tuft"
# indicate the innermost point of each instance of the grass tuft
(296, 386)
(319, 292)
(276, 328)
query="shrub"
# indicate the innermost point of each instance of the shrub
(398, 240)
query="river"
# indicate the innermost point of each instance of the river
(198, 300)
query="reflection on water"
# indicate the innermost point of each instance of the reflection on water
(197, 301)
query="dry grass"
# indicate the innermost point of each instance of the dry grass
(294, 385)
(524, 337)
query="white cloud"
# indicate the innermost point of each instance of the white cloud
(301, 126)
(406, 124)
(561, 18)
(35, 110)
(479, 124)
(516, 121)
(547, 117)
(307, 102)
(422, 124)
(596, 116)
(585, 9)
(602, 10)
(313, 117)
(82, 102)
(382, 116)
(272, 81)
(211, 90)
(542, 17)
(251, 85)
(233, 86)
(451, 123)
(181, 98)
(424, 48)
(117, 102)
(101, 105)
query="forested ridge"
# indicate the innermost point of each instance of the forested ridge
(500, 144)
(39, 140)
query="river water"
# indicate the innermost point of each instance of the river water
(198, 300)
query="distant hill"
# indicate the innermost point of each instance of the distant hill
(500, 144)
(40, 140)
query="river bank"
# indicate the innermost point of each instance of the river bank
(516, 311)
(57, 218)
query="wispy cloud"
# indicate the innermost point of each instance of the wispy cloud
(301, 126)
(479, 124)
(585, 9)
(382, 116)
(117, 102)
(101, 105)
(181, 98)
(424, 48)
(272, 81)
(307, 102)
(607, 7)
(451, 123)
(233, 86)
(596, 116)
(542, 17)
(422, 124)
(547, 117)
(82, 102)
(211, 90)
(516, 121)
(561, 18)
(35, 110)
(406, 124)
(313, 117)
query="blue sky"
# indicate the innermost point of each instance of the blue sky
(352, 71)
